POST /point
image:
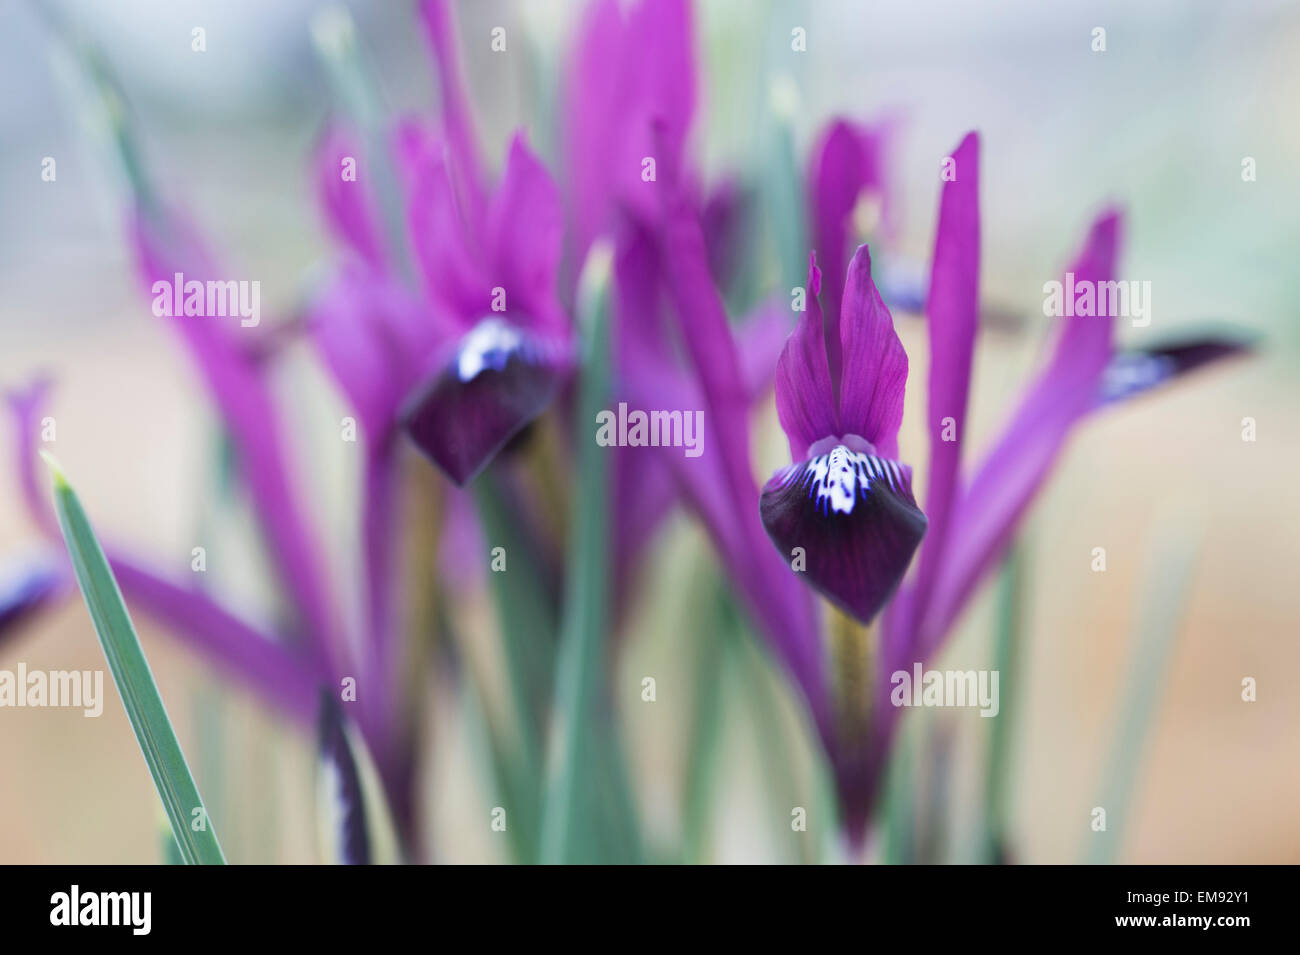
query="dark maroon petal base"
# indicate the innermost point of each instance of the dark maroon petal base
(854, 517)
(499, 379)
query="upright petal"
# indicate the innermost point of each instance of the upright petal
(805, 403)
(349, 209)
(629, 94)
(990, 507)
(447, 251)
(847, 161)
(457, 117)
(875, 364)
(525, 229)
(953, 316)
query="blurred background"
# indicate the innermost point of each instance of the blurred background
(1160, 123)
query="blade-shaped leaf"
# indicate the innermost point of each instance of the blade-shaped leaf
(588, 815)
(195, 836)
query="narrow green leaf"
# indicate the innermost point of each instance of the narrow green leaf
(1164, 601)
(526, 615)
(994, 847)
(588, 815)
(705, 731)
(901, 798)
(195, 836)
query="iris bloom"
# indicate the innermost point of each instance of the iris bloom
(846, 501)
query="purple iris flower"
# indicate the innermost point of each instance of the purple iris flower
(847, 500)
(497, 279)
(845, 507)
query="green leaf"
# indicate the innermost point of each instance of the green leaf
(588, 815)
(1164, 603)
(994, 846)
(135, 683)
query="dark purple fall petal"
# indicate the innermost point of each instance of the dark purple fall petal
(952, 317)
(500, 378)
(344, 811)
(1131, 373)
(26, 586)
(853, 516)
(874, 377)
(805, 403)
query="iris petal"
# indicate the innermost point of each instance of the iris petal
(854, 516)
(1132, 373)
(500, 378)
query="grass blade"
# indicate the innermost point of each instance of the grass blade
(995, 845)
(195, 836)
(1164, 605)
(588, 814)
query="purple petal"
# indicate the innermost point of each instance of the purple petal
(525, 229)
(760, 339)
(854, 517)
(726, 218)
(284, 678)
(376, 341)
(457, 117)
(953, 316)
(1132, 373)
(722, 474)
(847, 161)
(25, 408)
(350, 210)
(875, 365)
(448, 255)
(26, 586)
(281, 676)
(990, 507)
(629, 94)
(500, 378)
(805, 404)
(165, 246)
(644, 495)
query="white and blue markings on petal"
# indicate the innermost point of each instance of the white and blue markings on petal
(489, 345)
(838, 479)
